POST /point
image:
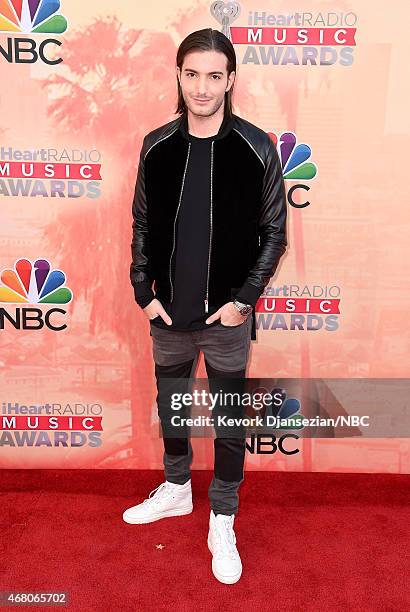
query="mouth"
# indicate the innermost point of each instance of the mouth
(201, 100)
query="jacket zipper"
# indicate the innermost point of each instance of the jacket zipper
(175, 220)
(210, 232)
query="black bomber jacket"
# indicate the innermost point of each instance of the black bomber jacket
(247, 212)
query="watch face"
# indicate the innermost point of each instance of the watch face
(245, 310)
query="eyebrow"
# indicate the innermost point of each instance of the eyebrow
(191, 70)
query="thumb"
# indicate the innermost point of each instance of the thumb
(165, 316)
(214, 317)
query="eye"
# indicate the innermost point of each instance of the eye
(218, 76)
(189, 74)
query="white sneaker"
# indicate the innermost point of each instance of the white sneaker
(226, 562)
(169, 499)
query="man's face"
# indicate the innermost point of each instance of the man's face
(204, 80)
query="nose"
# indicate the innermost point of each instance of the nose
(202, 86)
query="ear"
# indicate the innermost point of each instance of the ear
(231, 80)
(178, 75)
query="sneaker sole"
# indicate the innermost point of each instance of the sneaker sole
(218, 576)
(157, 517)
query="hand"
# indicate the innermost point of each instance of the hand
(228, 314)
(155, 308)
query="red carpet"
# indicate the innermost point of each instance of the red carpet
(308, 541)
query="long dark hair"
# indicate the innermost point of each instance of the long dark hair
(207, 40)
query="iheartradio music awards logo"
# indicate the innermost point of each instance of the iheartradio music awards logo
(73, 173)
(295, 165)
(299, 39)
(51, 425)
(30, 17)
(299, 308)
(33, 283)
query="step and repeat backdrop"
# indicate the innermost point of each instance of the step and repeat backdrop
(81, 84)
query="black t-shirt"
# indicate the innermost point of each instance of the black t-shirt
(187, 309)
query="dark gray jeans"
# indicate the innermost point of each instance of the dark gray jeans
(226, 351)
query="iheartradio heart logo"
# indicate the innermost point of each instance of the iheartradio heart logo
(225, 13)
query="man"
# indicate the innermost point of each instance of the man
(209, 228)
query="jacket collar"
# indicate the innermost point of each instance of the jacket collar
(225, 128)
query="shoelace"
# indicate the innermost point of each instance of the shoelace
(157, 493)
(226, 538)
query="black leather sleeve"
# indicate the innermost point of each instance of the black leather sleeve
(140, 274)
(271, 227)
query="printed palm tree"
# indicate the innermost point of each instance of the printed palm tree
(110, 90)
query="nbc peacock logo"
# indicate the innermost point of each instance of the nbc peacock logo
(288, 416)
(28, 285)
(34, 283)
(294, 157)
(295, 162)
(31, 17)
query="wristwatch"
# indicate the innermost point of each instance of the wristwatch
(244, 309)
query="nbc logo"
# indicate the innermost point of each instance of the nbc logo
(281, 415)
(33, 283)
(30, 17)
(295, 167)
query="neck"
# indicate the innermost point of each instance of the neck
(205, 126)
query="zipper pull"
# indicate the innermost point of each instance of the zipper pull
(206, 305)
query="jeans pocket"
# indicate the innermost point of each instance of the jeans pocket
(231, 326)
(155, 318)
